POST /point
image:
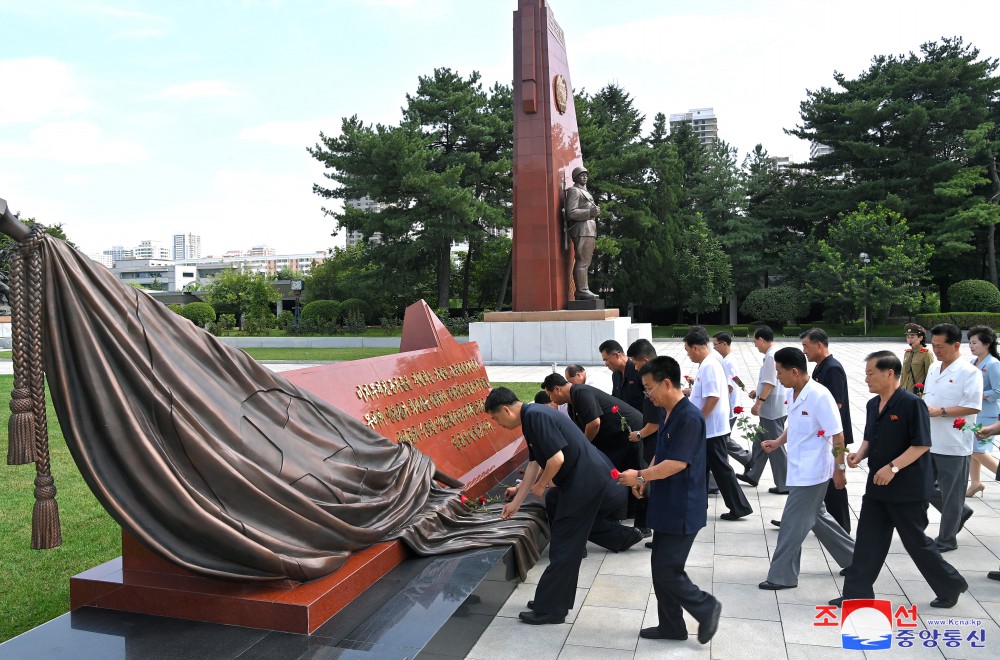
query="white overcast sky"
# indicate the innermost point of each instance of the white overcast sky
(128, 120)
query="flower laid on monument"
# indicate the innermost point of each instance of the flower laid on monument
(739, 383)
(615, 474)
(752, 432)
(464, 499)
(919, 389)
(482, 500)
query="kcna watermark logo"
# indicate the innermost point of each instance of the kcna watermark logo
(871, 624)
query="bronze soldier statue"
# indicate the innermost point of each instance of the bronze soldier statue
(581, 215)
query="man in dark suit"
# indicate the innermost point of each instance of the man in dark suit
(582, 506)
(829, 373)
(625, 383)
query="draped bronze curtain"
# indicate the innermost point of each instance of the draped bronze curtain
(219, 465)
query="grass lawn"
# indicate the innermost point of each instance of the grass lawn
(34, 584)
(317, 354)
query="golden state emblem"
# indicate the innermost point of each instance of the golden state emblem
(560, 91)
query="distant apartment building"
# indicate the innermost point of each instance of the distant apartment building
(117, 253)
(781, 162)
(103, 258)
(816, 150)
(704, 124)
(150, 249)
(365, 204)
(187, 246)
(158, 274)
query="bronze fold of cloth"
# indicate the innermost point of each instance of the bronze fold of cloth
(221, 466)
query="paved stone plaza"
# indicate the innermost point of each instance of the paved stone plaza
(729, 559)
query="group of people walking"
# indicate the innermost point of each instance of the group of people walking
(669, 441)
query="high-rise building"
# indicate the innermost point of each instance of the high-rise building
(704, 124)
(816, 150)
(117, 253)
(365, 204)
(150, 249)
(187, 246)
(104, 259)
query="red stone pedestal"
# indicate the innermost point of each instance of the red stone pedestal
(139, 581)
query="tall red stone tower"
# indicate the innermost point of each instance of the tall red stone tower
(546, 149)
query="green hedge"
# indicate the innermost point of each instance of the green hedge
(978, 295)
(355, 305)
(964, 320)
(199, 313)
(321, 312)
(792, 330)
(740, 331)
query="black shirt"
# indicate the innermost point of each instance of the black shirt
(903, 423)
(547, 432)
(627, 386)
(830, 374)
(590, 403)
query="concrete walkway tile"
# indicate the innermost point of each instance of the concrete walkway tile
(741, 545)
(702, 554)
(509, 638)
(966, 650)
(815, 561)
(535, 572)
(747, 525)
(518, 602)
(807, 651)
(741, 570)
(920, 593)
(885, 583)
(797, 623)
(574, 652)
(746, 639)
(903, 568)
(971, 558)
(669, 649)
(746, 601)
(589, 569)
(607, 627)
(812, 590)
(915, 652)
(982, 588)
(627, 563)
(621, 591)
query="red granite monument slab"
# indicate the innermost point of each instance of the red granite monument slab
(546, 149)
(429, 395)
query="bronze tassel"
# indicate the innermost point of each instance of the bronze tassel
(21, 427)
(45, 528)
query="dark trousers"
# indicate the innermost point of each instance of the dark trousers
(725, 477)
(674, 589)
(837, 506)
(573, 519)
(648, 453)
(909, 519)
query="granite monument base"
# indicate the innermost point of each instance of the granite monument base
(566, 337)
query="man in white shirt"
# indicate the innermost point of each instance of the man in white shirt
(722, 342)
(816, 453)
(710, 395)
(954, 388)
(769, 403)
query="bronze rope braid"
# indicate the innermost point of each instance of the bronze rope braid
(45, 530)
(20, 427)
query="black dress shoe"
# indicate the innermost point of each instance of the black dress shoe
(943, 548)
(654, 633)
(729, 515)
(843, 571)
(713, 491)
(776, 523)
(649, 544)
(536, 619)
(636, 537)
(771, 586)
(993, 575)
(706, 630)
(745, 479)
(837, 602)
(965, 518)
(775, 491)
(646, 532)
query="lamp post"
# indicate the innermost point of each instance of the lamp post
(865, 260)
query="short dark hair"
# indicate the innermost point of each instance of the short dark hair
(723, 337)
(764, 332)
(574, 369)
(886, 360)
(641, 348)
(792, 358)
(816, 336)
(949, 331)
(610, 346)
(663, 368)
(498, 398)
(543, 397)
(696, 338)
(553, 380)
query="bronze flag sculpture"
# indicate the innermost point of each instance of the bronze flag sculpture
(209, 459)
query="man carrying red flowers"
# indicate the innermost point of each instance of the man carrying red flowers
(583, 505)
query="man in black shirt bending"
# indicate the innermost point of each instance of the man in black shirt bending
(582, 506)
(900, 484)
